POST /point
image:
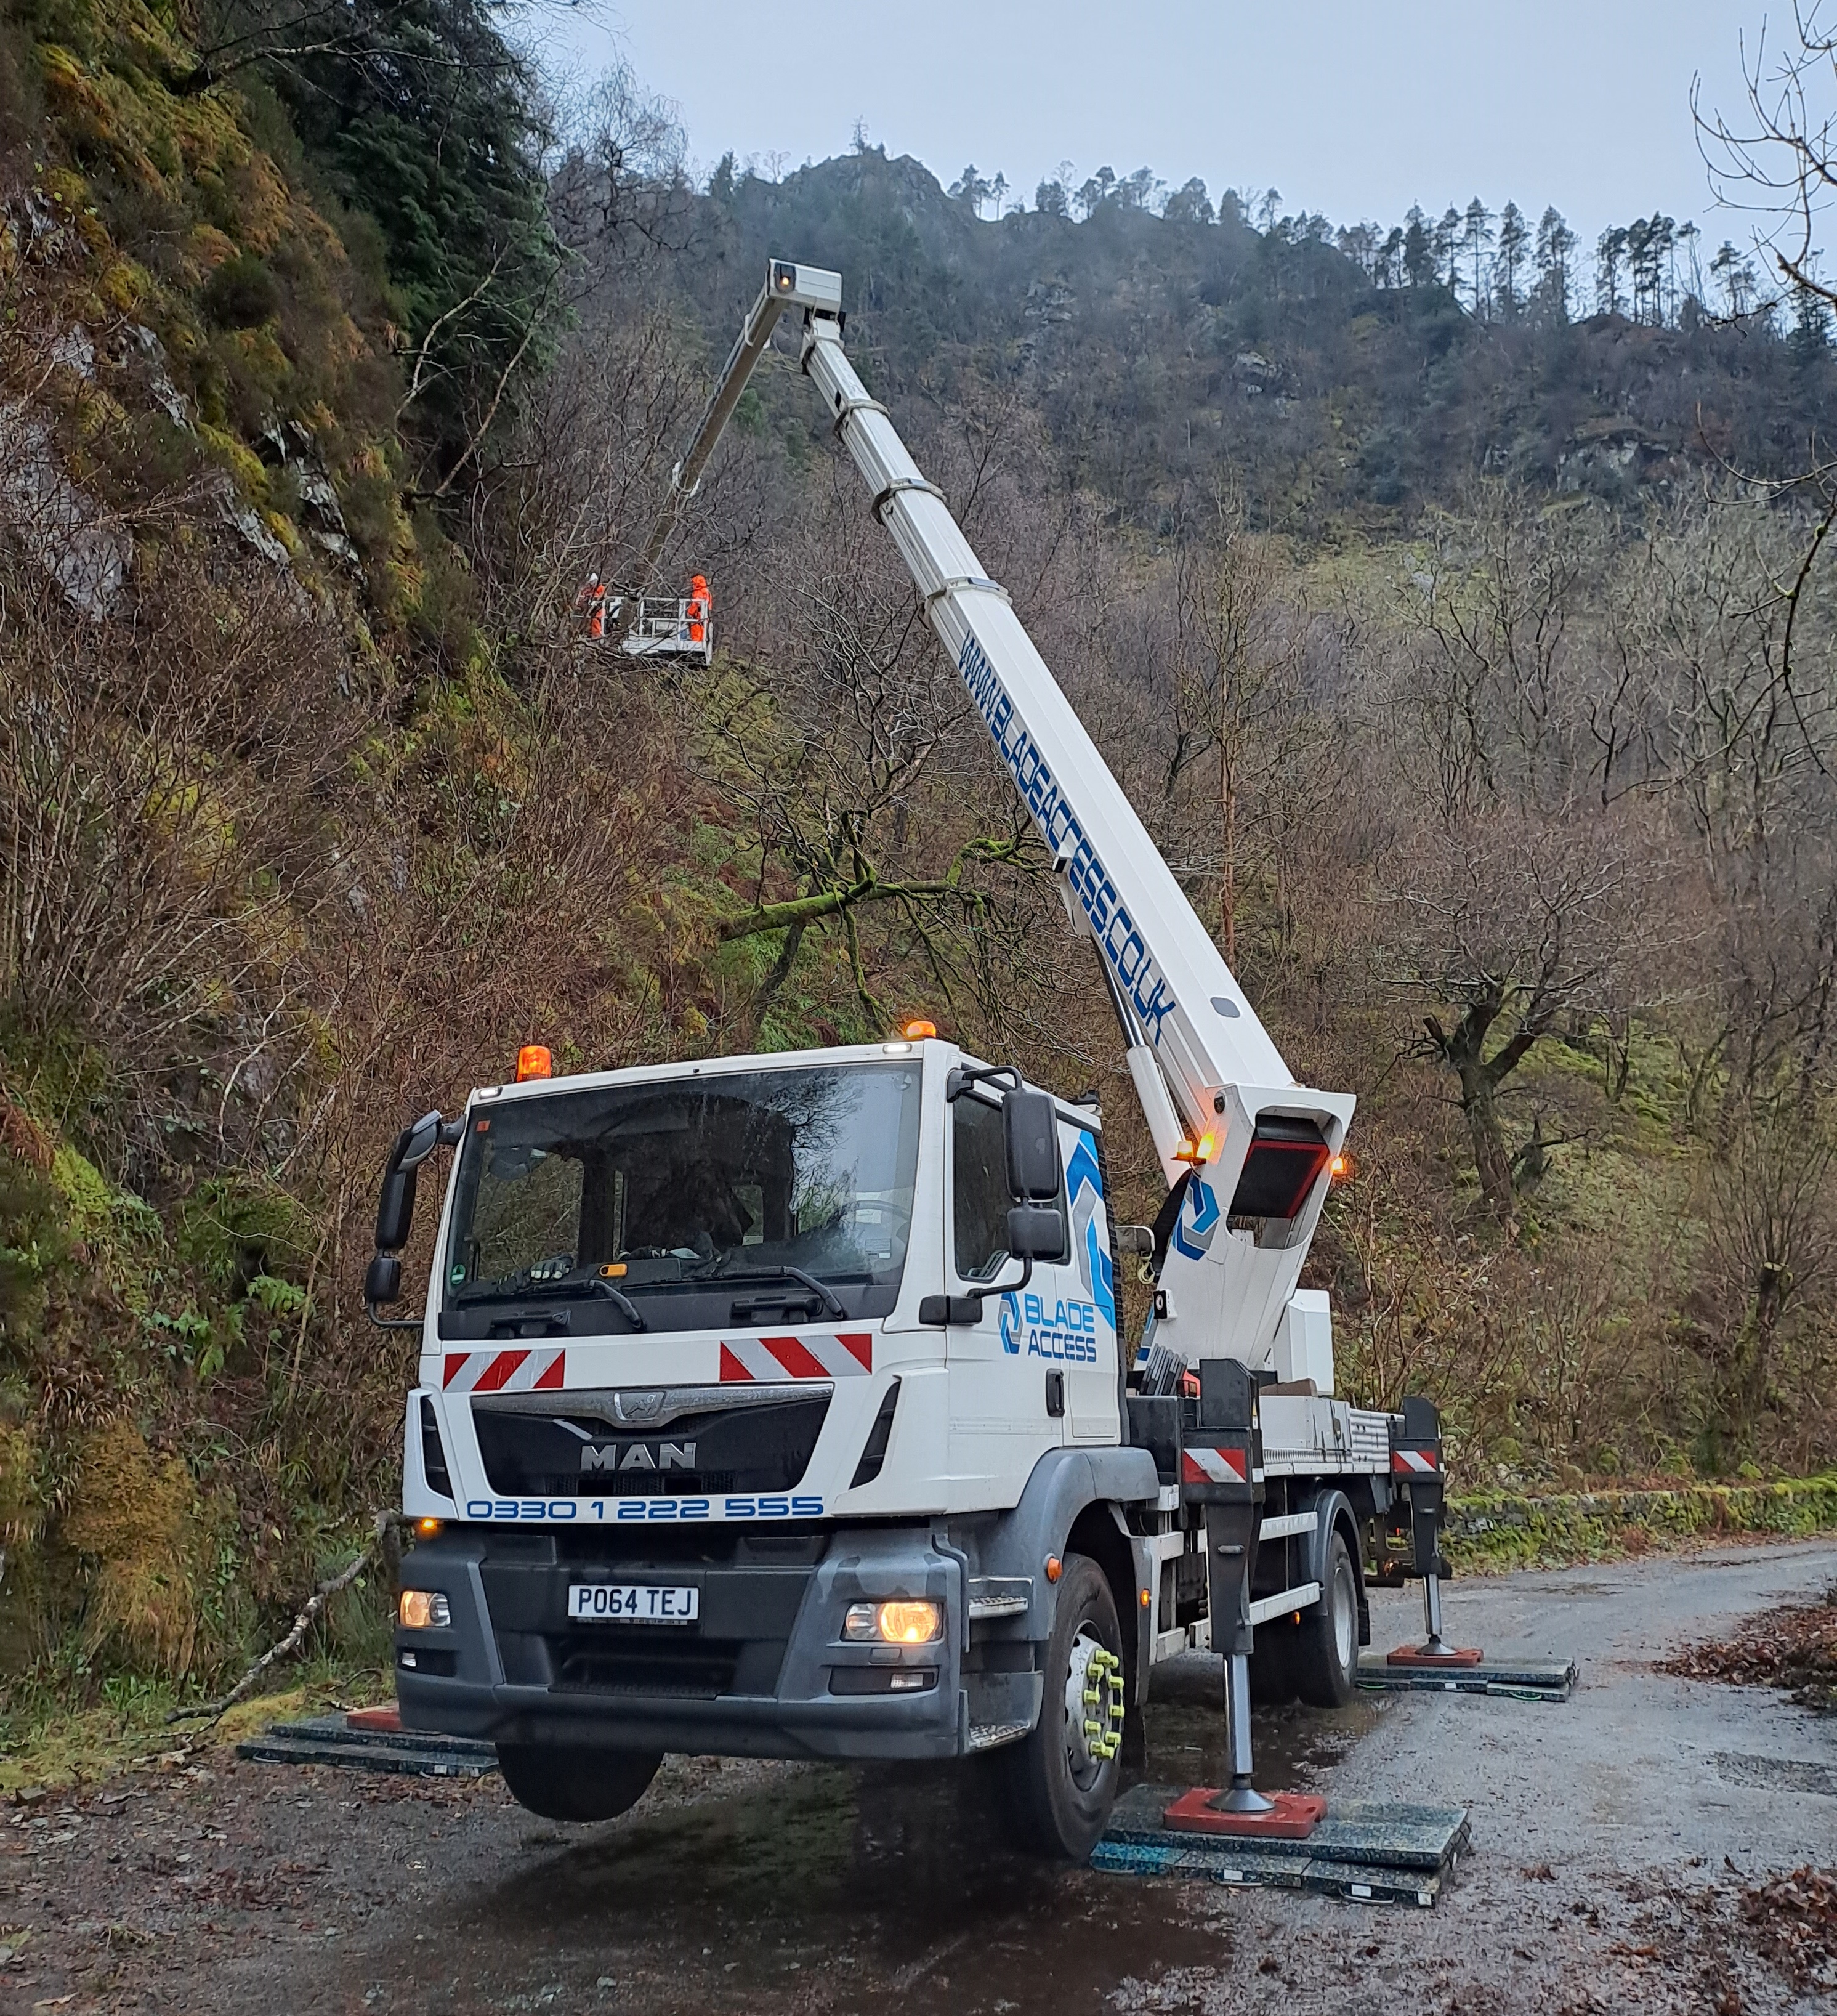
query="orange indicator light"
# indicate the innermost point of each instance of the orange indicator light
(916, 1031)
(533, 1060)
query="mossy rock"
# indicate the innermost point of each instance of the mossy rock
(233, 1229)
(85, 1190)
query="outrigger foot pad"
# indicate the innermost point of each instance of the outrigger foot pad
(1435, 1653)
(1287, 1816)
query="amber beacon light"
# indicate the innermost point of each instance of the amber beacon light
(533, 1060)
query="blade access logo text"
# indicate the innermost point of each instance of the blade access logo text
(1066, 1335)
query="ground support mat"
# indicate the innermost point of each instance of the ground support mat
(1215, 1862)
(329, 1739)
(1517, 1680)
(1377, 1854)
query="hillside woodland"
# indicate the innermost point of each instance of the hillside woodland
(1468, 652)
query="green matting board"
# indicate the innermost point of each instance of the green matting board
(328, 1739)
(1373, 1852)
(1517, 1680)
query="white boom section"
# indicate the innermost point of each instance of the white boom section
(786, 286)
(1201, 1060)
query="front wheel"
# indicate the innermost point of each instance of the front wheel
(1063, 1777)
(1327, 1643)
(566, 1783)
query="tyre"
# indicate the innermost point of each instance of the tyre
(575, 1785)
(1063, 1779)
(1327, 1640)
(1274, 1661)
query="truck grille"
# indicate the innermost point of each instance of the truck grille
(577, 1445)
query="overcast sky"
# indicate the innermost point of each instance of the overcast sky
(1353, 107)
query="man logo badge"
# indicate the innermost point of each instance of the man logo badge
(638, 1456)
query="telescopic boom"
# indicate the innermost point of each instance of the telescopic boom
(1252, 1148)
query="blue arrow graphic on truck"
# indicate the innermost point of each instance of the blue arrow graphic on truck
(1195, 1239)
(1085, 1180)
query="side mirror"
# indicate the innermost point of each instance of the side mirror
(395, 1211)
(395, 1215)
(1029, 1122)
(383, 1281)
(1038, 1232)
(395, 1207)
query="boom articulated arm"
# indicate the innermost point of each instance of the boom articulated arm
(1212, 1086)
(786, 286)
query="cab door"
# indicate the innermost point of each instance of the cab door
(1085, 1288)
(1065, 1317)
(999, 1421)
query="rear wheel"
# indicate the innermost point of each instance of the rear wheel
(1327, 1641)
(563, 1784)
(1063, 1778)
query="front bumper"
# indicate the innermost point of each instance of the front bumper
(763, 1673)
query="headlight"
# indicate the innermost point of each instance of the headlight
(901, 1622)
(424, 1609)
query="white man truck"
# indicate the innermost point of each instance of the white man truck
(776, 1406)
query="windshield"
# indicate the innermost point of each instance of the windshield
(702, 1191)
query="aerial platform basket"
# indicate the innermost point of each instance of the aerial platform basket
(660, 627)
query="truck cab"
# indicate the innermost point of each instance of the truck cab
(755, 1397)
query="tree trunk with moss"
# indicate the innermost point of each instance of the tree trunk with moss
(1463, 1048)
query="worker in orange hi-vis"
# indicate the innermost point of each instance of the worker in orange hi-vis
(594, 595)
(700, 606)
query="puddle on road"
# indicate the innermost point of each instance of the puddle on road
(890, 1882)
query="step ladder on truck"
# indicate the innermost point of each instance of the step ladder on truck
(775, 1406)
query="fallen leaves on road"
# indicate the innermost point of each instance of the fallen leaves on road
(1795, 1647)
(1795, 1922)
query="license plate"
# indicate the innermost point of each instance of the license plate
(633, 1603)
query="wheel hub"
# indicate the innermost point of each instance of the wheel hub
(1093, 1705)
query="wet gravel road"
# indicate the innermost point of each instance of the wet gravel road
(1610, 1839)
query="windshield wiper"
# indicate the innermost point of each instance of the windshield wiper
(549, 1290)
(826, 1296)
(621, 1301)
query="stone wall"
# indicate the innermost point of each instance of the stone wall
(1495, 1532)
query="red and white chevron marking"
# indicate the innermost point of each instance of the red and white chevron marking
(1214, 1466)
(769, 1359)
(504, 1371)
(1413, 1462)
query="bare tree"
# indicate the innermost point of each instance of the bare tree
(1238, 628)
(1511, 927)
(834, 758)
(1769, 1252)
(620, 188)
(1776, 158)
